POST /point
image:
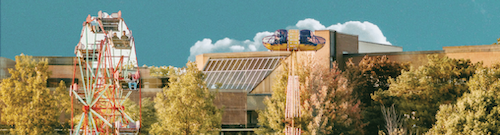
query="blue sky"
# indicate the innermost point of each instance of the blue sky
(165, 31)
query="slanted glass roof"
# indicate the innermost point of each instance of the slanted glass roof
(239, 73)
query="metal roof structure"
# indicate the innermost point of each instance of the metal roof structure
(239, 73)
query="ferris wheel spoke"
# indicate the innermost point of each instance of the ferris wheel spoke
(82, 75)
(128, 94)
(125, 114)
(77, 132)
(100, 117)
(94, 126)
(78, 97)
(100, 95)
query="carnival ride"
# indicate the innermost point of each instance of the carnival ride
(102, 64)
(293, 40)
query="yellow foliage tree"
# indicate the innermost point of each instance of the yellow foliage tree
(29, 106)
(148, 113)
(186, 107)
(477, 112)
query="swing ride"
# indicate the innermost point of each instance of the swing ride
(293, 40)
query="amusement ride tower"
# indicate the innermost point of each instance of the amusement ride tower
(293, 40)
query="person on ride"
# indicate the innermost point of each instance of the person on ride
(132, 81)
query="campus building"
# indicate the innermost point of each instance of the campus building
(5, 64)
(246, 78)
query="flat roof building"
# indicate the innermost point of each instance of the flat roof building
(246, 77)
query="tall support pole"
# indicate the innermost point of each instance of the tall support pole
(293, 40)
(72, 87)
(292, 109)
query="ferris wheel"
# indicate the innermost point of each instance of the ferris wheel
(105, 75)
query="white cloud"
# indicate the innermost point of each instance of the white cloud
(237, 48)
(228, 45)
(310, 24)
(366, 31)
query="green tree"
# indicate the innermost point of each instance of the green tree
(366, 77)
(162, 71)
(64, 105)
(272, 119)
(28, 104)
(148, 113)
(477, 112)
(186, 106)
(418, 93)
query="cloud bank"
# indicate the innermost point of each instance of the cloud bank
(366, 31)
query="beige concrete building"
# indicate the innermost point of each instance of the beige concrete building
(248, 76)
(5, 64)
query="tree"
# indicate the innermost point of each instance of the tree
(28, 104)
(327, 105)
(186, 106)
(393, 121)
(148, 113)
(331, 107)
(369, 75)
(476, 112)
(272, 119)
(418, 93)
(64, 105)
(162, 71)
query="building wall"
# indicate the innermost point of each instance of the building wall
(414, 58)
(324, 54)
(488, 58)
(488, 54)
(5, 64)
(336, 45)
(63, 71)
(369, 47)
(234, 105)
(265, 86)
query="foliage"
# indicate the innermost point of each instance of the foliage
(418, 93)
(477, 112)
(28, 104)
(272, 118)
(394, 121)
(332, 107)
(148, 113)
(64, 105)
(186, 106)
(327, 104)
(368, 76)
(162, 71)
(129, 65)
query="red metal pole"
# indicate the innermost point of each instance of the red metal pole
(71, 93)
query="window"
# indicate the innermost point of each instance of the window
(252, 120)
(54, 82)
